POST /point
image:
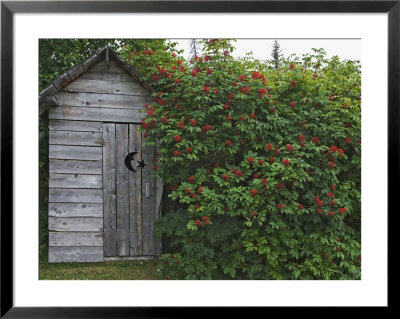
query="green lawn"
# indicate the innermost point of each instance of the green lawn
(108, 270)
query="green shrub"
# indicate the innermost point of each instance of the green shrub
(262, 165)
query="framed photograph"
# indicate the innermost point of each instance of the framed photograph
(164, 155)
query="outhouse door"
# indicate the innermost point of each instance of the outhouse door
(128, 192)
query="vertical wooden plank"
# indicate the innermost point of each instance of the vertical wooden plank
(109, 191)
(122, 179)
(157, 208)
(148, 201)
(135, 193)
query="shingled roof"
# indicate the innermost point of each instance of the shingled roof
(48, 97)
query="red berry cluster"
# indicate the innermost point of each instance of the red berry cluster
(203, 222)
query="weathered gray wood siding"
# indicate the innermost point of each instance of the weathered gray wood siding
(75, 191)
(102, 94)
(76, 153)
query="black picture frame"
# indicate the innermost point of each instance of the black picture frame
(9, 8)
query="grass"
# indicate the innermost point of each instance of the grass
(108, 270)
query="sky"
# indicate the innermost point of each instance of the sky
(262, 48)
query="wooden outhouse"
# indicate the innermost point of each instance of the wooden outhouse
(103, 201)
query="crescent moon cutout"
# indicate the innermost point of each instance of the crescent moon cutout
(128, 160)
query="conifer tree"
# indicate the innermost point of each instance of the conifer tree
(276, 54)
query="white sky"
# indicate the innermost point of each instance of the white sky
(262, 48)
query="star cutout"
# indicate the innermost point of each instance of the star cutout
(141, 164)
